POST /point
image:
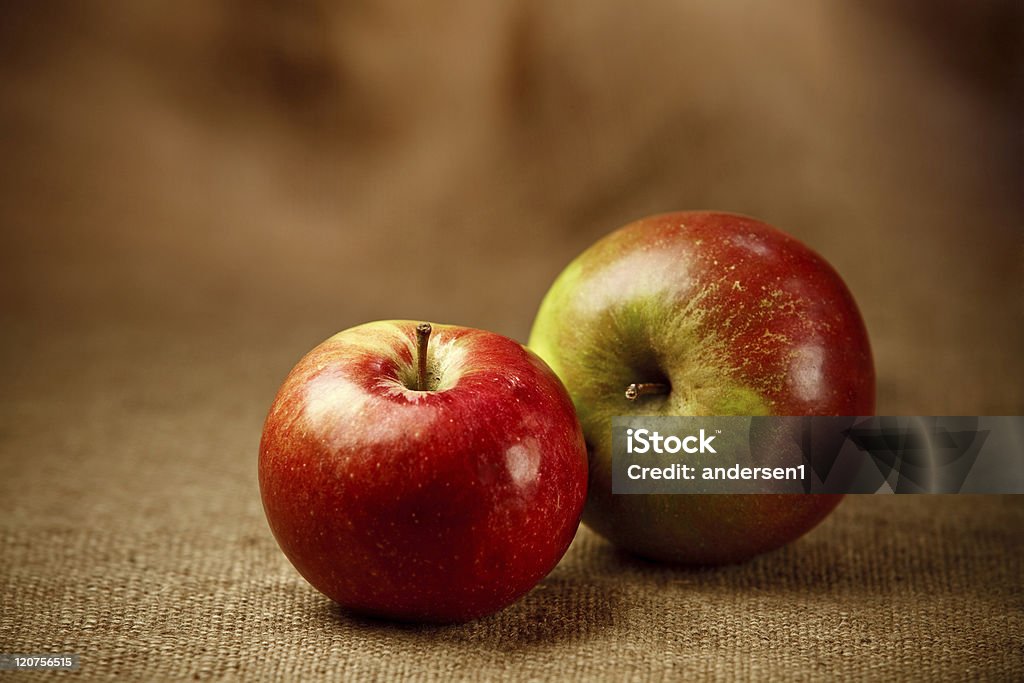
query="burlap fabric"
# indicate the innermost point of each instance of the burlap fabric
(193, 194)
(132, 534)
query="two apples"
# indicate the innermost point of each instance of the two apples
(437, 473)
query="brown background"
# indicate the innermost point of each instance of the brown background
(192, 197)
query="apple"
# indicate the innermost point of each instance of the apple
(702, 313)
(419, 477)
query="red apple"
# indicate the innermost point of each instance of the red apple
(709, 314)
(424, 478)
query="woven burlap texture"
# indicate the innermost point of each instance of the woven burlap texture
(132, 534)
(904, 589)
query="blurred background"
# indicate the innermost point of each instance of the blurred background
(194, 194)
(254, 176)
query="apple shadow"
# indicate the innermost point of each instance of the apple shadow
(809, 566)
(560, 609)
(874, 549)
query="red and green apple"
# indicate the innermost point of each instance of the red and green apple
(702, 313)
(422, 473)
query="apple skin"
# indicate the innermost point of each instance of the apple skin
(738, 318)
(428, 506)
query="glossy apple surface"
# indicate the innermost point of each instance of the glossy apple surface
(733, 317)
(438, 505)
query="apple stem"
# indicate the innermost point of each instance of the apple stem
(635, 391)
(422, 339)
